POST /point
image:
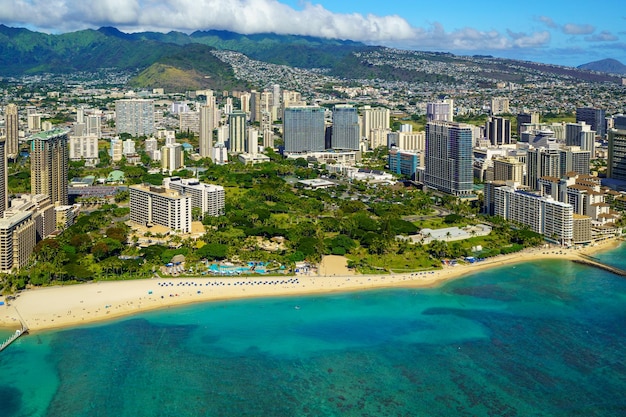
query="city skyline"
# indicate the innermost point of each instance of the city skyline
(551, 32)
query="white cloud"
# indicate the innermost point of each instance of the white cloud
(574, 29)
(604, 36)
(548, 21)
(255, 16)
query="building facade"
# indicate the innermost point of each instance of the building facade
(135, 117)
(448, 158)
(151, 205)
(17, 241)
(84, 148)
(208, 198)
(4, 180)
(346, 130)
(304, 129)
(237, 132)
(375, 124)
(617, 149)
(49, 164)
(498, 130)
(593, 117)
(11, 124)
(543, 215)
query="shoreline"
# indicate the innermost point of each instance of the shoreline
(49, 308)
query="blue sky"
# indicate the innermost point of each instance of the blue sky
(551, 31)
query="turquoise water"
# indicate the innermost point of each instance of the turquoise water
(540, 339)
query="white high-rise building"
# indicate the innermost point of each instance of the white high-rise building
(92, 125)
(135, 116)
(543, 215)
(151, 205)
(268, 139)
(219, 154)
(442, 110)
(208, 198)
(128, 147)
(152, 149)
(84, 148)
(252, 147)
(499, 105)
(208, 123)
(117, 149)
(375, 125)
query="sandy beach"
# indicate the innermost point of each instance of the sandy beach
(64, 306)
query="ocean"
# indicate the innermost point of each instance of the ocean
(538, 339)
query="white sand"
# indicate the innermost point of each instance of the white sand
(61, 306)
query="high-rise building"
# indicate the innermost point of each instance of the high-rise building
(49, 164)
(345, 131)
(442, 110)
(43, 212)
(84, 148)
(208, 123)
(11, 123)
(151, 205)
(406, 139)
(575, 160)
(172, 157)
(252, 144)
(543, 215)
(498, 130)
(526, 118)
(237, 132)
(268, 138)
(543, 162)
(128, 147)
(116, 150)
(448, 157)
(593, 117)
(219, 154)
(290, 99)
(17, 241)
(499, 105)
(135, 116)
(617, 149)
(244, 100)
(375, 124)
(189, 121)
(508, 169)
(208, 198)
(260, 102)
(93, 125)
(580, 134)
(304, 129)
(4, 193)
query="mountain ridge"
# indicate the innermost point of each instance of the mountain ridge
(24, 52)
(608, 65)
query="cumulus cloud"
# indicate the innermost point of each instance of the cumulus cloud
(604, 36)
(574, 29)
(256, 16)
(243, 16)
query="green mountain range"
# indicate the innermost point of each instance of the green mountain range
(177, 61)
